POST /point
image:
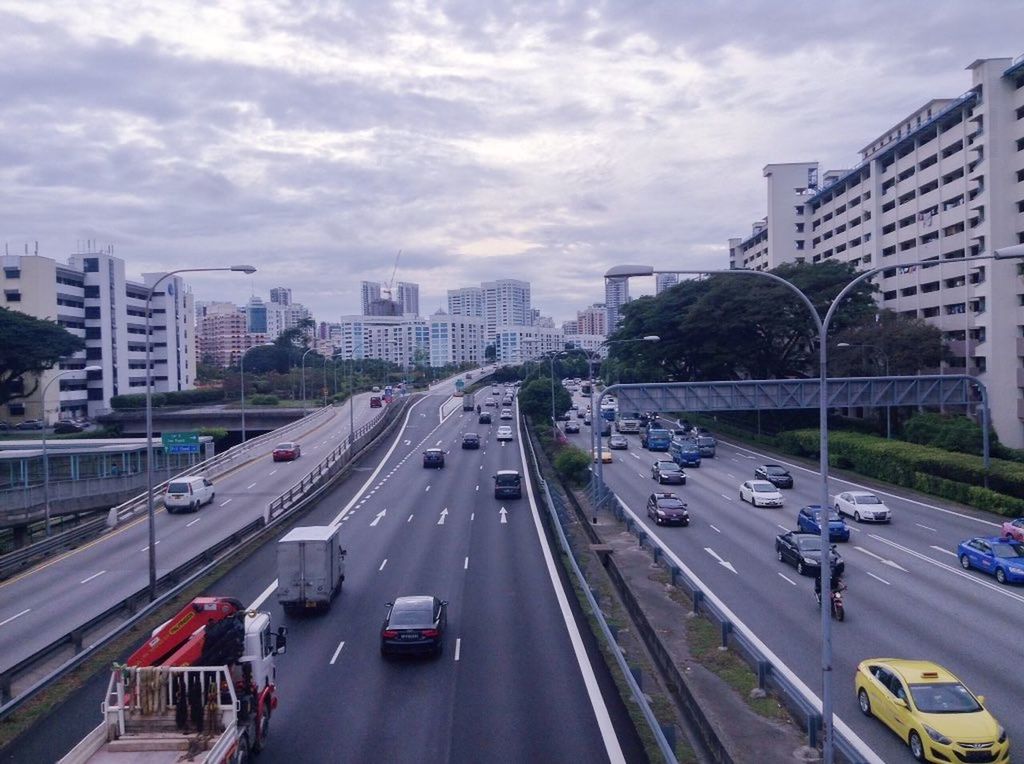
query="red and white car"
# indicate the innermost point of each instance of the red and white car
(1014, 529)
(286, 452)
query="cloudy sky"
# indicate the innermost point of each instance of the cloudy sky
(545, 140)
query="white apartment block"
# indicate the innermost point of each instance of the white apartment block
(570, 327)
(593, 320)
(663, 281)
(516, 343)
(456, 339)
(944, 184)
(588, 342)
(281, 296)
(90, 297)
(467, 301)
(506, 303)
(616, 294)
(402, 340)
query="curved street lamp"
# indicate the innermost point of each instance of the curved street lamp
(149, 411)
(822, 325)
(46, 455)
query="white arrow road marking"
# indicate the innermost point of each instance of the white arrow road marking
(373, 523)
(335, 656)
(877, 578)
(787, 578)
(503, 512)
(90, 578)
(926, 527)
(444, 514)
(944, 551)
(382, 565)
(721, 562)
(17, 615)
(881, 559)
(225, 503)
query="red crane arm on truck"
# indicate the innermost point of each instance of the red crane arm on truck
(169, 640)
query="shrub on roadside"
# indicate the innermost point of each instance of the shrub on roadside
(264, 400)
(573, 465)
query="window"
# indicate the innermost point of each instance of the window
(92, 312)
(92, 291)
(12, 295)
(93, 333)
(16, 409)
(12, 272)
(800, 244)
(799, 227)
(799, 209)
(91, 265)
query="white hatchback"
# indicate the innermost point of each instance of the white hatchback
(504, 433)
(760, 493)
(863, 505)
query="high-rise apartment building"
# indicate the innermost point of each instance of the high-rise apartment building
(407, 295)
(592, 320)
(946, 183)
(281, 296)
(506, 303)
(403, 340)
(369, 291)
(467, 301)
(456, 339)
(616, 294)
(256, 316)
(663, 281)
(90, 297)
(570, 327)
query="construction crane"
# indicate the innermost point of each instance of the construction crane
(386, 289)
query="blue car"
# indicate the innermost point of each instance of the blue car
(808, 521)
(999, 557)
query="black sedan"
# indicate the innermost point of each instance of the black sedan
(667, 472)
(470, 440)
(572, 428)
(414, 625)
(484, 418)
(433, 458)
(774, 474)
(803, 551)
(667, 509)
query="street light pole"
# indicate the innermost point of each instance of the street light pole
(325, 379)
(303, 364)
(149, 412)
(46, 454)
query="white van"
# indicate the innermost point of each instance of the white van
(188, 493)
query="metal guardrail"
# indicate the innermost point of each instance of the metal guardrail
(771, 671)
(635, 690)
(186, 573)
(17, 560)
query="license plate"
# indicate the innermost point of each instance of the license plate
(408, 636)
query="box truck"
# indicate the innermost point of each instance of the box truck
(310, 567)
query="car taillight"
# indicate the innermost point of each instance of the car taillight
(430, 633)
(389, 634)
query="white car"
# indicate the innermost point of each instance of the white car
(760, 493)
(863, 505)
(506, 414)
(504, 433)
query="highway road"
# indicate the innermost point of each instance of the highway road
(51, 599)
(907, 596)
(517, 680)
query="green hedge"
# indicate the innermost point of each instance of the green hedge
(173, 398)
(261, 399)
(953, 476)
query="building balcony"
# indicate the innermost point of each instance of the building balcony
(1020, 409)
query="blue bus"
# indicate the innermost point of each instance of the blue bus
(656, 439)
(684, 452)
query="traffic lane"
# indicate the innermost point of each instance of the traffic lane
(907, 596)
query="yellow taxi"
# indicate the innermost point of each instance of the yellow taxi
(606, 456)
(931, 711)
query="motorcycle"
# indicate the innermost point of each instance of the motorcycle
(837, 608)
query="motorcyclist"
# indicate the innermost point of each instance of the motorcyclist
(478, 408)
(835, 584)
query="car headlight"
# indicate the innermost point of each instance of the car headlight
(809, 561)
(1015, 569)
(660, 513)
(937, 736)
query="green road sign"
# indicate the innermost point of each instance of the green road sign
(459, 384)
(180, 442)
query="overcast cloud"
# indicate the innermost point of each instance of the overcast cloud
(544, 140)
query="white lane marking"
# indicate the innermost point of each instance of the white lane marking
(478, 488)
(726, 496)
(16, 615)
(439, 443)
(471, 516)
(251, 485)
(225, 503)
(604, 721)
(877, 578)
(410, 519)
(146, 548)
(382, 565)
(926, 527)
(262, 598)
(944, 551)
(784, 528)
(634, 456)
(458, 647)
(503, 512)
(481, 466)
(855, 530)
(714, 528)
(408, 443)
(189, 525)
(730, 474)
(465, 564)
(954, 569)
(721, 562)
(881, 559)
(272, 472)
(444, 514)
(787, 578)
(428, 488)
(90, 578)
(373, 523)
(335, 656)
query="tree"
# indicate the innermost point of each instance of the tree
(490, 353)
(30, 346)
(888, 343)
(535, 399)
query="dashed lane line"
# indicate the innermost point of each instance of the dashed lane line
(90, 578)
(337, 652)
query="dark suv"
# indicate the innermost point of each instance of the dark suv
(470, 440)
(774, 474)
(484, 418)
(667, 509)
(434, 458)
(508, 485)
